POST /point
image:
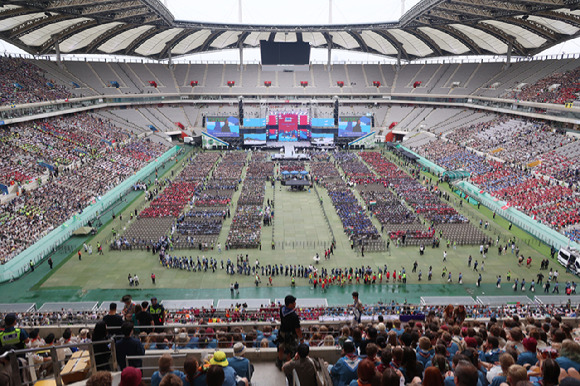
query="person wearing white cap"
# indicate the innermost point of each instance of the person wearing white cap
(239, 363)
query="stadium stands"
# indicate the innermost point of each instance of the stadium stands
(93, 155)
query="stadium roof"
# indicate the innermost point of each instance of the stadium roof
(430, 29)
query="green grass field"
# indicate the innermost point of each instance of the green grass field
(299, 231)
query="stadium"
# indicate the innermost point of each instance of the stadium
(429, 163)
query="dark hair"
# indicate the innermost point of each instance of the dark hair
(386, 356)
(100, 331)
(215, 376)
(355, 294)
(550, 372)
(303, 350)
(466, 374)
(493, 341)
(412, 367)
(390, 378)
(49, 338)
(33, 334)
(190, 368)
(289, 299)
(126, 298)
(67, 334)
(440, 362)
(113, 307)
(126, 328)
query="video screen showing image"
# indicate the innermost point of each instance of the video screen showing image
(255, 122)
(223, 126)
(288, 128)
(322, 122)
(354, 126)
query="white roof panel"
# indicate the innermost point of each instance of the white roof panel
(191, 42)
(314, 38)
(483, 39)
(411, 43)
(445, 41)
(12, 22)
(379, 43)
(344, 39)
(253, 39)
(555, 25)
(84, 38)
(42, 35)
(523, 36)
(156, 43)
(122, 40)
(285, 37)
(226, 39)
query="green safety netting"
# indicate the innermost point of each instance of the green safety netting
(19, 264)
(540, 231)
(433, 168)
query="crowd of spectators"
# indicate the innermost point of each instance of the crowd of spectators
(546, 200)
(270, 313)
(246, 227)
(78, 156)
(24, 82)
(573, 234)
(392, 344)
(355, 221)
(556, 88)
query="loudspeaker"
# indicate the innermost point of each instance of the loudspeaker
(336, 112)
(241, 111)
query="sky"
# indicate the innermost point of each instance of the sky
(289, 12)
(296, 12)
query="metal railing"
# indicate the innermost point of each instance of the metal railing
(48, 362)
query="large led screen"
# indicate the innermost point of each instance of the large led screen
(223, 126)
(354, 126)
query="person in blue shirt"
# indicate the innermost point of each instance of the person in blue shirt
(529, 355)
(165, 367)
(505, 361)
(193, 375)
(452, 347)
(425, 351)
(231, 377)
(569, 355)
(493, 355)
(345, 369)
(465, 374)
(239, 363)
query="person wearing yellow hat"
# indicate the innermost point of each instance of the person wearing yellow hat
(231, 377)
